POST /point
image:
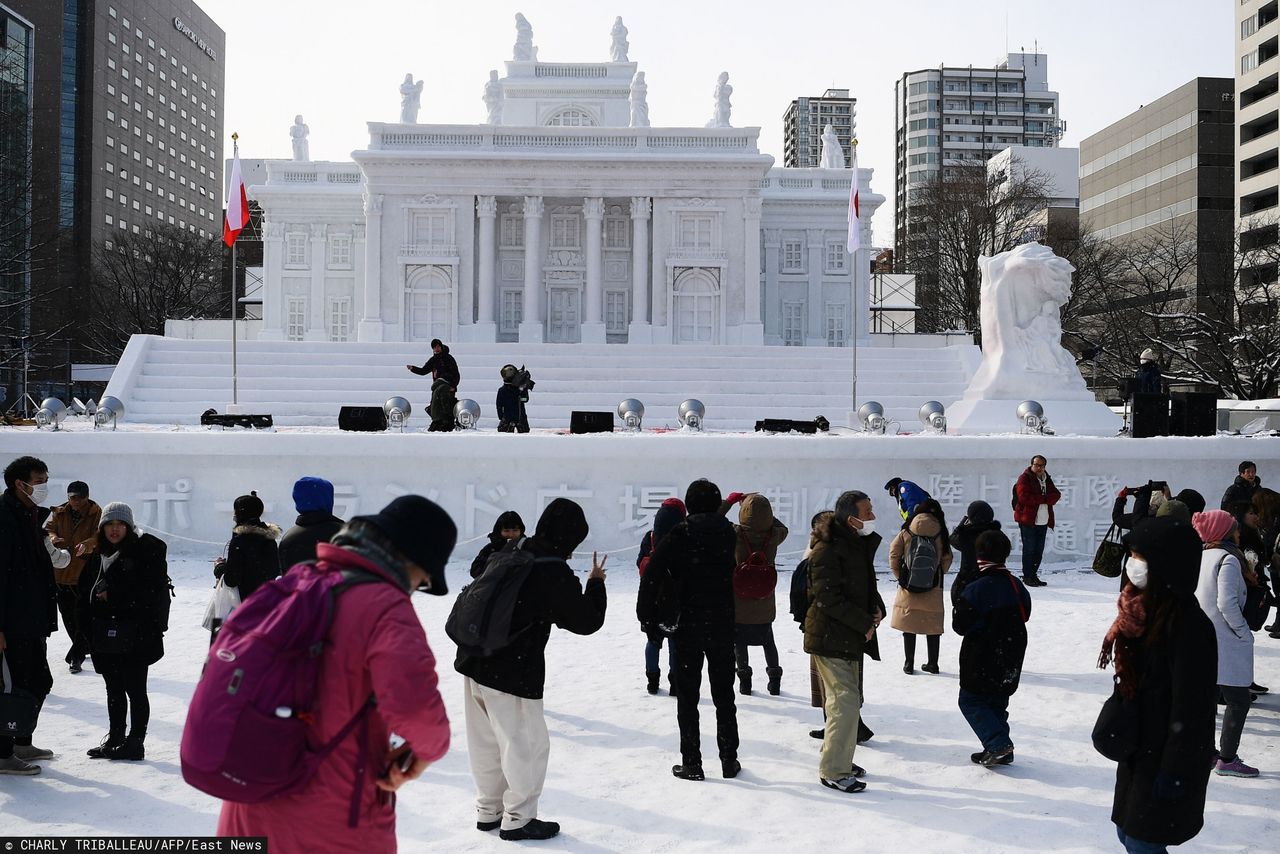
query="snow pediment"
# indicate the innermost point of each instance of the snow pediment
(505, 140)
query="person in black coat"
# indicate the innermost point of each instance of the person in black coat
(1148, 379)
(698, 557)
(657, 624)
(1165, 653)
(127, 580)
(1141, 505)
(313, 499)
(253, 558)
(1239, 495)
(513, 394)
(992, 614)
(28, 599)
(978, 519)
(508, 526)
(446, 378)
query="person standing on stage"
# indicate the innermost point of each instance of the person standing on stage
(443, 369)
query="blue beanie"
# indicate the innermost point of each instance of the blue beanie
(313, 493)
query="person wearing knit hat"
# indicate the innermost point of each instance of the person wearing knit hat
(669, 514)
(253, 556)
(1222, 592)
(1148, 377)
(117, 511)
(1176, 510)
(1194, 500)
(506, 528)
(1163, 648)
(978, 519)
(313, 499)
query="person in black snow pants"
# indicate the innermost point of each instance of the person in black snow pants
(445, 379)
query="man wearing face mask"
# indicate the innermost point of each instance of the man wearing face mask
(28, 600)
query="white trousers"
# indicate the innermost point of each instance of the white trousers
(508, 745)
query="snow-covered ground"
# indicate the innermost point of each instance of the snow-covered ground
(613, 745)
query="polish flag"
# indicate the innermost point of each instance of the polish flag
(855, 226)
(237, 203)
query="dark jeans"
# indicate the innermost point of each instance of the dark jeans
(754, 635)
(932, 643)
(988, 715)
(654, 646)
(28, 660)
(75, 619)
(1033, 538)
(717, 648)
(1138, 846)
(1233, 716)
(127, 693)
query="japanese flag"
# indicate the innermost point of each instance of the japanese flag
(855, 225)
(237, 203)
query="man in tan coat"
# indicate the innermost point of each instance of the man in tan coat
(74, 527)
(920, 612)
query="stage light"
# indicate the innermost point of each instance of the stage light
(691, 413)
(91, 408)
(467, 414)
(1031, 414)
(871, 414)
(397, 410)
(51, 413)
(108, 409)
(631, 411)
(933, 415)
(78, 407)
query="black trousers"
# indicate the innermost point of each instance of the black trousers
(127, 695)
(27, 657)
(716, 647)
(75, 619)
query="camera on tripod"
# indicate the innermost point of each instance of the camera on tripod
(520, 379)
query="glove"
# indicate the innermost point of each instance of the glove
(1168, 787)
(735, 497)
(1123, 493)
(496, 540)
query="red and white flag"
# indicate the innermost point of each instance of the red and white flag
(237, 203)
(855, 226)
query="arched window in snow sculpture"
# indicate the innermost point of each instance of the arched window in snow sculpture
(696, 307)
(572, 117)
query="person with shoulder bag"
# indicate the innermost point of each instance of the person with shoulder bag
(128, 575)
(253, 556)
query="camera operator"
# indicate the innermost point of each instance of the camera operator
(1143, 503)
(512, 397)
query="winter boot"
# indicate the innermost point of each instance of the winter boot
(532, 829)
(775, 680)
(113, 740)
(671, 684)
(864, 732)
(131, 749)
(654, 676)
(688, 772)
(744, 681)
(729, 768)
(31, 753)
(18, 767)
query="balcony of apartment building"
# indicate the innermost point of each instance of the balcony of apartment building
(1258, 174)
(1258, 137)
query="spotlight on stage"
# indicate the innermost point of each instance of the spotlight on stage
(933, 415)
(397, 410)
(467, 414)
(871, 414)
(631, 411)
(109, 409)
(1031, 414)
(51, 413)
(78, 407)
(691, 413)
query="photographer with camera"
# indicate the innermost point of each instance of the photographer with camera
(1144, 503)
(512, 397)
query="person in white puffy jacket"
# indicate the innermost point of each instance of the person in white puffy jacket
(1221, 592)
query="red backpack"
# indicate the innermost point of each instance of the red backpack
(756, 577)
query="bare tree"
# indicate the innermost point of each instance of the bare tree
(965, 213)
(142, 280)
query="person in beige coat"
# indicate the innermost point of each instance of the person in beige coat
(920, 613)
(757, 531)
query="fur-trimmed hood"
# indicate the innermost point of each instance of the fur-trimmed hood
(266, 529)
(831, 529)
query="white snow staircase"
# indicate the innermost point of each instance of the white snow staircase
(172, 380)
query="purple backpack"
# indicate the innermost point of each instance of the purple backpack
(245, 739)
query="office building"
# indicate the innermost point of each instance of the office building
(807, 118)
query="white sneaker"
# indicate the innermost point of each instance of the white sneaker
(850, 784)
(31, 753)
(18, 767)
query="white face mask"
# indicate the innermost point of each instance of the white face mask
(868, 528)
(1136, 569)
(39, 493)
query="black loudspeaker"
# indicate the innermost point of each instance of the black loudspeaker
(1150, 414)
(362, 419)
(1193, 413)
(591, 422)
(786, 425)
(210, 418)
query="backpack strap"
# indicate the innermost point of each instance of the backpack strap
(1017, 596)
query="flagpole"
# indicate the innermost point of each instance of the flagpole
(857, 305)
(235, 138)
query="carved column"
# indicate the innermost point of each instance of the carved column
(752, 331)
(316, 330)
(370, 328)
(357, 252)
(531, 321)
(487, 210)
(593, 331)
(639, 331)
(273, 298)
(815, 335)
(772, 290)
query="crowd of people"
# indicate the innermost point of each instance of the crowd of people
(1194, 590)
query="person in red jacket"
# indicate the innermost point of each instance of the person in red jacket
(376, 646)
(1034, 497)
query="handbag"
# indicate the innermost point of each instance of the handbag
(18, 707)
(1109, 558)
(1257, 605)
(223, 601)
(114, 636)
(1115, 734)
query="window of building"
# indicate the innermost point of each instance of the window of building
(340, 319)
(295, 247)
(836, 256)
(792, 256)
(339, 251)
(835, 319)
(571, 117)
(111, 10)
(565, 231)
(430, 228)
(616, 305)
(511, 231)
(511, 310)
(793, 324)
(296, 317)
(616, 232)
(695, 231)
(111, 37)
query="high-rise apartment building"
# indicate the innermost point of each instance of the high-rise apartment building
(807, 118)
(125, 134)
(953, 117)
(1168, 167)
(1257, 115)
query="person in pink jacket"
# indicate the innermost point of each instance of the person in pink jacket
(377, 645)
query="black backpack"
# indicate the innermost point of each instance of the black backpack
(919, 573)
(480, 622)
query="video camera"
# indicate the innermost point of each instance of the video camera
(520, 379)
(1152, 486)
